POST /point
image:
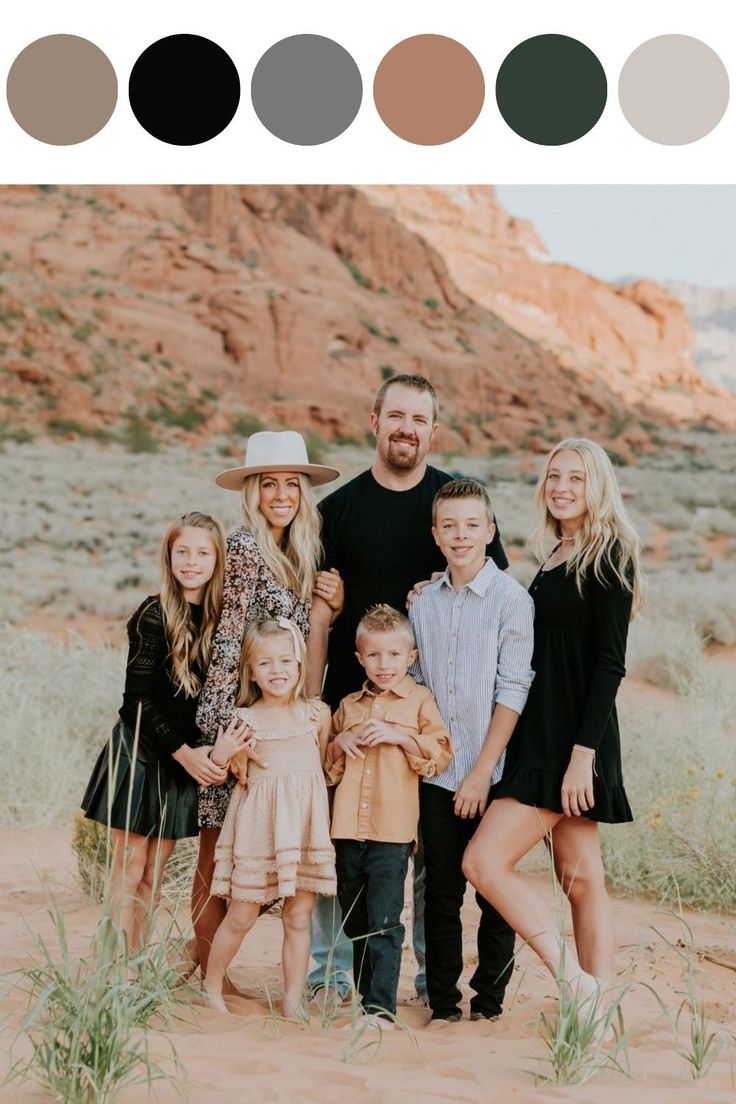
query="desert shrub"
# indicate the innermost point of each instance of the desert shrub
(664, 651)
(680, 771)
(706, 601)
(58, 704)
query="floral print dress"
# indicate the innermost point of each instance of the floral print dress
(251, 593)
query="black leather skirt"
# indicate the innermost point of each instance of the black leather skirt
(148, 796)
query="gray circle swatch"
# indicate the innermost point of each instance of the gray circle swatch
(62, 89)
(306, 89)
(673, 89)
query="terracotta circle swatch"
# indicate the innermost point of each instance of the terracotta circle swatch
(673, 89)
(306, 89)
(429, 89)
(551, 89)
(62, 89)
(184, 89)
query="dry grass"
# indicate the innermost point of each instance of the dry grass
(680, 770)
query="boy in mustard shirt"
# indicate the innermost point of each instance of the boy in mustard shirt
(385, 737)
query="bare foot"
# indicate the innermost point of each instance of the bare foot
(213, 999)
(294, 1013)
(587, 990)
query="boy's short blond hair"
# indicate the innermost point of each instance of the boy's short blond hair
(384, 618)
(462, 488)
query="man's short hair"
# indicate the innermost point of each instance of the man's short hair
(383, 618)
(418, 383)
(462, 488)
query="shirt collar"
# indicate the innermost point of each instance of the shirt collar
(402, 689)
(480, 583)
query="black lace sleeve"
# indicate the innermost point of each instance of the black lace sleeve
(147, 653)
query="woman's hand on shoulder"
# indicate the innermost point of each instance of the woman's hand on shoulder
(417, 589)
(577, 785)
(328, 586)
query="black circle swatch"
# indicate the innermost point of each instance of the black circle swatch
(551, 89)
(184, 89)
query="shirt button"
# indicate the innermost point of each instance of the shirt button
(369, 770)
(364, 804)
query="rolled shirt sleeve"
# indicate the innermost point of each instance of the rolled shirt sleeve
(514, 672)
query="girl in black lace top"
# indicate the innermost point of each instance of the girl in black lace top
(144, 784)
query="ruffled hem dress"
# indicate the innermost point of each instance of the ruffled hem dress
(276, 836)
(578, 662)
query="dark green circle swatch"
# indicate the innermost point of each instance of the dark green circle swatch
(551, 89)
(184, 89)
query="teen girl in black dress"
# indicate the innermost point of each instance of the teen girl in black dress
(144, 783)
(563, 766)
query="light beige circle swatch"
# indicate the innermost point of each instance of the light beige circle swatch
(62, 89)
(673, 89)
(429, 89)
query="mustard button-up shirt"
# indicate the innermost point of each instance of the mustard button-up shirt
(377, 798)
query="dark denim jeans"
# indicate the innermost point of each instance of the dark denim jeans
(445, 838)
(370, 886)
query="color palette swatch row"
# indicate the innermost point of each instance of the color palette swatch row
(307, 89)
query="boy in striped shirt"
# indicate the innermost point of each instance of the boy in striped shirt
(475, 634)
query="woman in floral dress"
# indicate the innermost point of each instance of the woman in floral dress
(271, 571)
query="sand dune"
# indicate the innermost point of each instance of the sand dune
(246, 1056)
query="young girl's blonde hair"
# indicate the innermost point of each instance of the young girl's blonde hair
(606, 540)
(295, 562)
(191, 649)
(257, 631)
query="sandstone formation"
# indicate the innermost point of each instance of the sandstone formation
(154, 311)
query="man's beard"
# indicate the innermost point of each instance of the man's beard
(400, 460)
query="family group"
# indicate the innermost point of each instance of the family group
(344, 690)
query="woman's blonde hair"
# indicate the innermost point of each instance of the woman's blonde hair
(606, 540)
(257, 631)
(190, 647)
(295, 562)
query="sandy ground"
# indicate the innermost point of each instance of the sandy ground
(246, 1057)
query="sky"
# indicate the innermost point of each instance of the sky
(677, 232)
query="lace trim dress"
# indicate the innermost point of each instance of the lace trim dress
(141, 786)
(579, 661)
(276, 835)
(251, 593)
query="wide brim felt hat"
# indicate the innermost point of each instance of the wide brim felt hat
(270, 451)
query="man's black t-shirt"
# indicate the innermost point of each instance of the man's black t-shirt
(381, 543)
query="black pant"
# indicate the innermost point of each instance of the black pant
(370, 886)
(445, 838)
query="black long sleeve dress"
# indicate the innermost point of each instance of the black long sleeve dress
(579, 656)
(154, 794)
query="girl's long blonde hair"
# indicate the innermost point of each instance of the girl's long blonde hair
(295, 562)
(248, 691)
(190, 649)
(606, 540)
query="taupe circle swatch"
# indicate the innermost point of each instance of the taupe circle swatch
(673, 89)
(306, 89)
(62, 89)
(429, 89)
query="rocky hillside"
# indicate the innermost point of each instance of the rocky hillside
(148, 312)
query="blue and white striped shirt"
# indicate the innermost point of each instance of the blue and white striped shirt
(475, 649)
